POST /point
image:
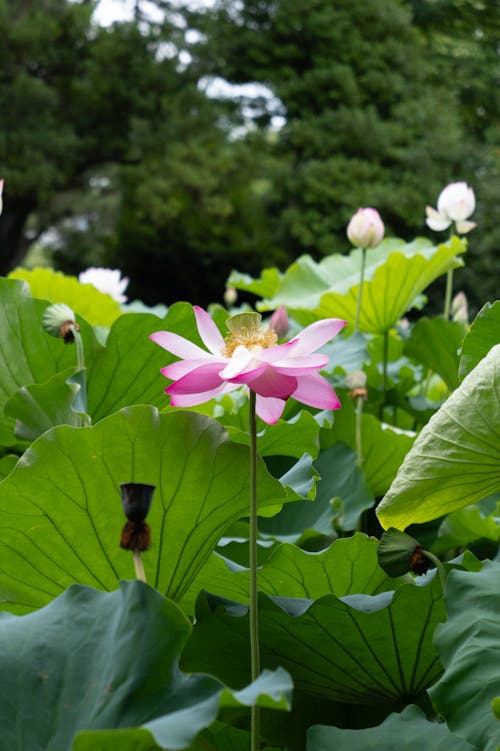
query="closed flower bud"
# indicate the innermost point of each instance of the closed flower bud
(230, 296)
(279, 322)
(399, 553)
(366, 229)
(59, 320)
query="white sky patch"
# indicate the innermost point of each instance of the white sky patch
(109, 11)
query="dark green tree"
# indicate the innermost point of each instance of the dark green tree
(106, 138)
(71, 98)
(378, 109)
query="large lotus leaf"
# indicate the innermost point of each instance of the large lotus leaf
(271, 690)
(95, 660)
(408, 731)
(483, 334)
(96, 307)
(127, 370)
(40, 406)
(358, 649)
(348, 566)
(436, 343)
(61, 512)
(301, 286)
(394, 287)
(455, 460)
(341, 496)
(468, 646)
(28, 354)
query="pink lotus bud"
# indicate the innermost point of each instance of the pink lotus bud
(366, 229)
(279, 322)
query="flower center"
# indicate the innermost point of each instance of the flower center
(247, 331)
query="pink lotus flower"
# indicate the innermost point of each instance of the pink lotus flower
(250, 356)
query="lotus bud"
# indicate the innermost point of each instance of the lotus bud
(279, 322)
(59, 320)
(399, 553)
(459, 309)
(366, 229)
(230, 297)
(356, 382)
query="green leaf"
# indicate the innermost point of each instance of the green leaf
(463, 527)
(266, 286)
(127, 370)
(483, 334)
(383, 446)
(468, 646)
(80, 657)
(95, 661)
(455, 460)
(408, 731)
(39, 407)
(435, 343)
(304, 282)
(359, 649)
(28, 354)
(394, 287)
(61, 511)
(84, 299)
(348, 566)
(341, 496)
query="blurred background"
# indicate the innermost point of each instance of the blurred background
(178, 141)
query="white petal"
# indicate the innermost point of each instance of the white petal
(239, 362)
(435, 220)
(464, 227)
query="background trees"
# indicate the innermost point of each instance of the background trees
(106, 135)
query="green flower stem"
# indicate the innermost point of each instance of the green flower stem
(254, 613)
(448, 294)
(80, 365)
(80, 357)
(385, 358)
(139, 566)
(359, 419)
(439, 566)
(360, 291)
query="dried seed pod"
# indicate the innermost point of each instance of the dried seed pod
(136, 500)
